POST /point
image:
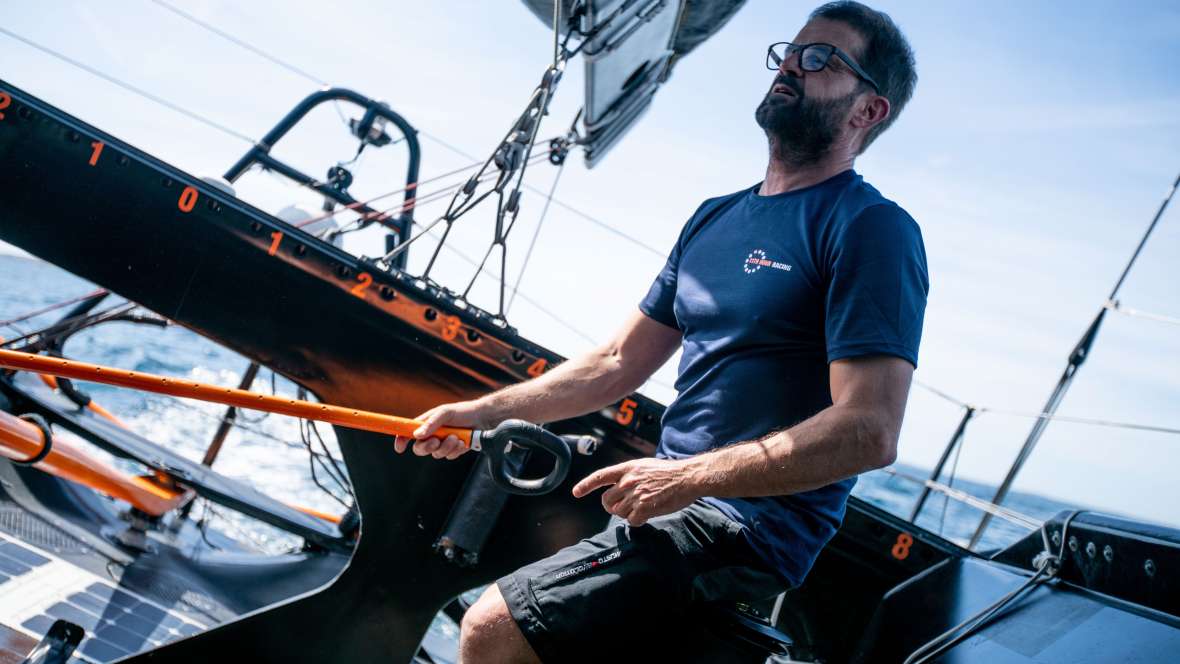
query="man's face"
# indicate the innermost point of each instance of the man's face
(805, 112)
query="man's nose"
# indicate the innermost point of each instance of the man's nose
(791, 64)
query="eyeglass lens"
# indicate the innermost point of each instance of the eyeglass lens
(814, 57)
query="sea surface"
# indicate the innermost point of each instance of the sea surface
(267, 453)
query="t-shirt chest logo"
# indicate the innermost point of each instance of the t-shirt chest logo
(756, 260)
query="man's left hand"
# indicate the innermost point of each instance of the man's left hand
(643, 488)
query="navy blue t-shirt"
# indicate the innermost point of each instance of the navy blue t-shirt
(767, 290)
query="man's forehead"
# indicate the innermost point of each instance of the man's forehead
(836, 33)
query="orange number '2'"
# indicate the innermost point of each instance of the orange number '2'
(365, 279)
(188, 199)
(537, 368)
(626, 412)
(450, 327)
(98, 146)
(5, 101)
(901, 549)
(276, 238)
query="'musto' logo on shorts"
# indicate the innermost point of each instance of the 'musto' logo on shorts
(756, 260)
(591, 564)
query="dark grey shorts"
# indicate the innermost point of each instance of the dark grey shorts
(632, 586)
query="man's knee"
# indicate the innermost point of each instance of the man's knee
(489, 634)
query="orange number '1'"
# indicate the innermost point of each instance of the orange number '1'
(98, 146)
(365, 279)
(276, 238)
(537, 368)
(901, 549)
(626, 412)
(5, 101)
(188, 199)
(450, 327)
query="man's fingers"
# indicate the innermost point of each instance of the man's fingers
(612, 496)
(400, 443)
(426, 447)
(601, 477)
(431, 421)
(449, 444)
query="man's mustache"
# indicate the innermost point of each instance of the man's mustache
(788, 82)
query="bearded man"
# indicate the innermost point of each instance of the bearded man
(798, 304)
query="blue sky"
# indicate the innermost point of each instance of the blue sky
(1037, 147)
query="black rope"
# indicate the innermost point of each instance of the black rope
(46, 440)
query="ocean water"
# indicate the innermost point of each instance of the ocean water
(267, 453)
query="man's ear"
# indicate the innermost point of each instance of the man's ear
(870, 112)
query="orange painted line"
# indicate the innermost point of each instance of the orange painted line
(51, 381)
(103, 412)
(316, 513)
(20, 440)
(229, 396)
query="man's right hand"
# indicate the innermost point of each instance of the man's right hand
(470, 414)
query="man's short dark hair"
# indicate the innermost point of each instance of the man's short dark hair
(887, 56)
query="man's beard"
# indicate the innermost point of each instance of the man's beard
(801, 131)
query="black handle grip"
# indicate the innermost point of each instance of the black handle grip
(493, 444)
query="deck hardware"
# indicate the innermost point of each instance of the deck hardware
(1108, 553)
(1091, 549)
(1149, 567)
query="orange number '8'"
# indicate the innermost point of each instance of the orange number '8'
(364, 279)
(5, 101)
(901, 549)
(450, 327)
(188, 199)
(626, 412)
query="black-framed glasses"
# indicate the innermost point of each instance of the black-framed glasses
(814, 57)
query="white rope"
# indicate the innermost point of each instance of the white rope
(1115, 305)
(968, 499)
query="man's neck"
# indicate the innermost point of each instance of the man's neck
(782, 176)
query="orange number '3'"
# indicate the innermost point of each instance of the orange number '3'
(5, 101)
(364, 279)
(626, 412)
(188, 199)
(450, 327)
(98, 146)
(276, 238)
(901, 549)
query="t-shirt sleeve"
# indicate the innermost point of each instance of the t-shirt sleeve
(660, 298)
(877, 288)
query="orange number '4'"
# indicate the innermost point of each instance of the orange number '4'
(626, 412)
(98, 146)
(275, 237)
(901, 549)
(537, 368)
(450, 327)
(5, 101)
(188, 199)
(363, 279)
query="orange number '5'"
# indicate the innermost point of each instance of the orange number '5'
(363, 279)
(188, 199)
(626, 412)
(5, 101)
(901, 549)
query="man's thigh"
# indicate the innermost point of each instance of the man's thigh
(631, 587)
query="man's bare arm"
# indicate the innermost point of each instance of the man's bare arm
(858, 432)
(577, 386)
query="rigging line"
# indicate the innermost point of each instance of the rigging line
(1115, 305)
(1143, 241)
(950, 481)
(131, 88)
(53, 307)
(1006, 513)
(1080, 420)
(536, 233)
(597, 222)
(934, 390)
(241, 42)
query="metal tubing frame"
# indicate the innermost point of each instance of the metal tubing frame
(260, 154)
(956, 439)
